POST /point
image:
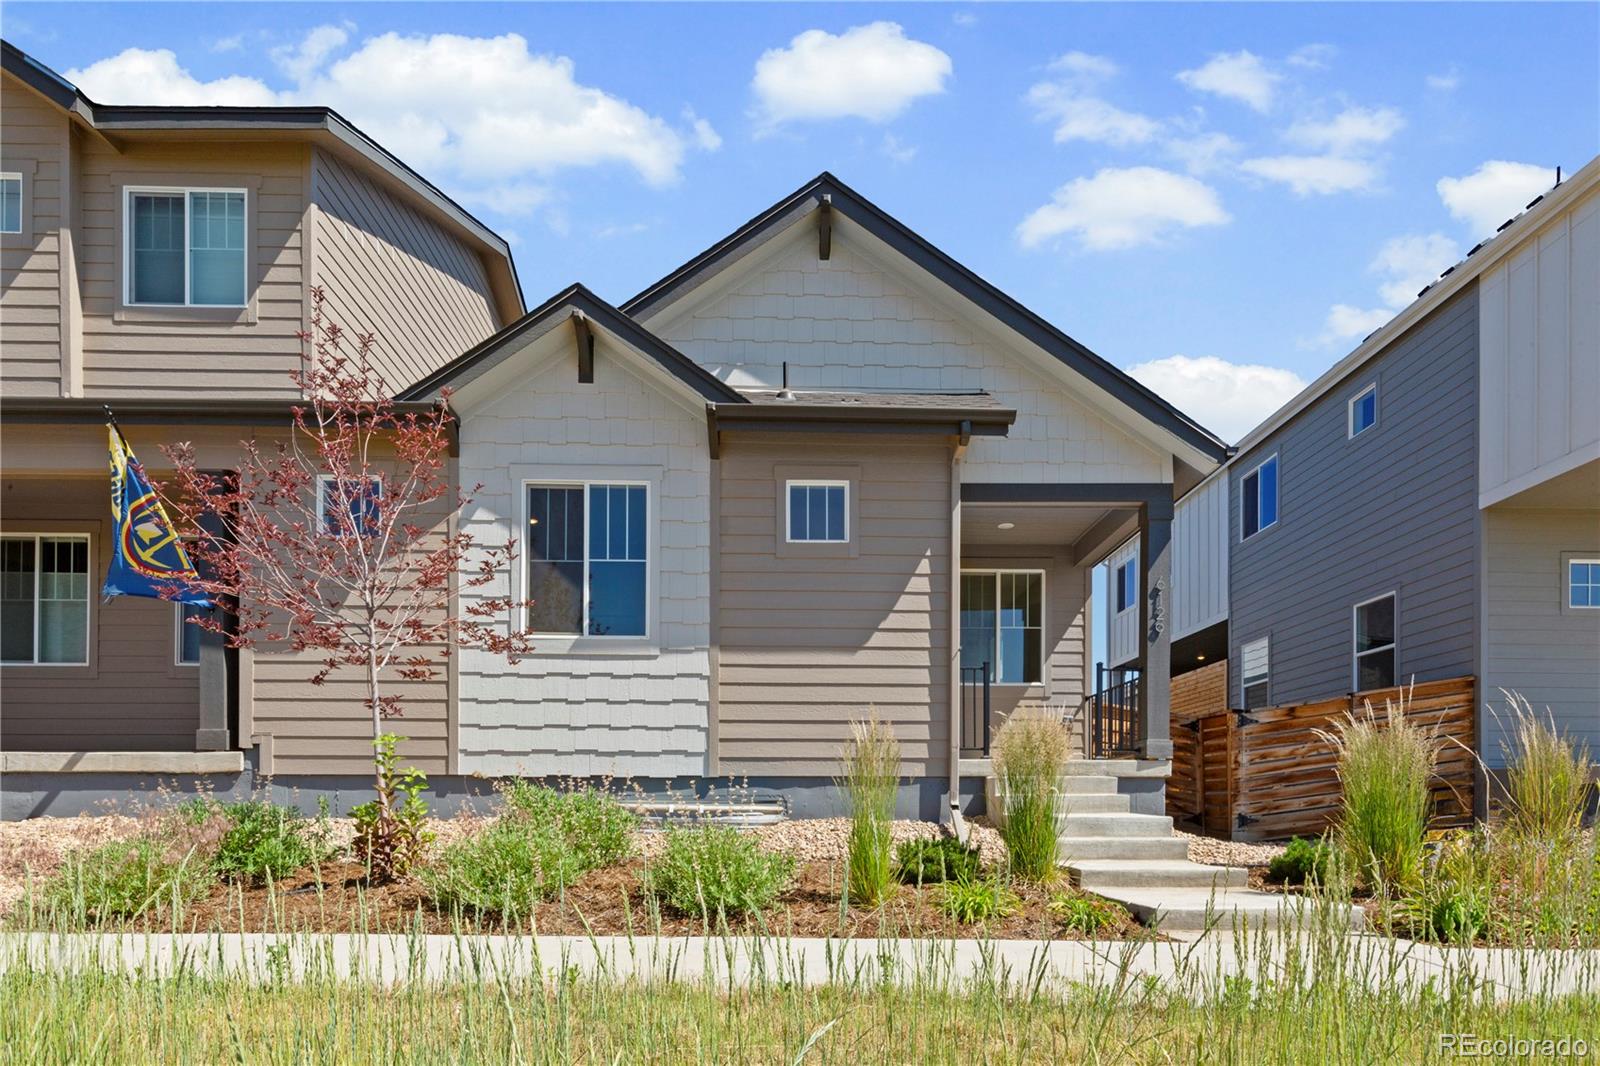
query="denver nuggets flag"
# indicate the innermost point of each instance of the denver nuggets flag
(146, 554)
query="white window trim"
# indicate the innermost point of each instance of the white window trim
(788, 504)
(1566, 582)
(1351, 432)
(1245, 681)
(1256, 470)
(323, 481)
(1394, 645)
(577, 641)
(38, 574)
(1133, 585)
(22, 193)
(128, 193)
(1044, 623)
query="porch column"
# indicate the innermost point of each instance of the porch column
(1155, 625)
(212, 734)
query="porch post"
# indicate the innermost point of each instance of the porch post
(1155, 625)
(212, 734)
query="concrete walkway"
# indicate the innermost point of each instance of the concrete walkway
(1199, 969)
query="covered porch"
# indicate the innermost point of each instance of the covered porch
(1022, 619)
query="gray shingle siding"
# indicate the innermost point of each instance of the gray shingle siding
(1394, 509)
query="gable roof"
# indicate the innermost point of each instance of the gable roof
(322, 121)
(552, 313)
(840, 197)
(1480, 258)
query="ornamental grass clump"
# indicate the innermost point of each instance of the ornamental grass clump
(1030, 754)
(934, 860)
(716, 873)
(1547, 776)
(1385, 767)
(870, 781)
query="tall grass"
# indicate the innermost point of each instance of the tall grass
(870, 781)
(1547, 777)
(1030, 752)
(1385, 766)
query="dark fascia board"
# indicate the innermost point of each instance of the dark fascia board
(902, 239)
(776, 417)
(1155, 495)
(179, 411)
(112, 117)
(549, 314)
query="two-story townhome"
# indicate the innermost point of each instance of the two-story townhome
(1429, 508)
(819, 472)
(160, 260)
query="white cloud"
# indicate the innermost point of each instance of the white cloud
(1352, 130)
(1123, 208)
(228, 44)
(1069, 100)
(1446, 82)
(509, 198)
(1494, 192)
(1312, 56)
(1346, 323)
(1408, 264)
(897, 150)
(1203, 153)
(1314, 175)
(153, 76)
(1240, 76)
(300, 61)
(964, 19)
(1228, 398)
(705, 135)
(872, 72)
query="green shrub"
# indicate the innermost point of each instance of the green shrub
(931, 860)
(1030, 753)
(391, 831)
(1385, 768)
(127, 878)
(1086, 914)
(1547, 777)
(977, 901)
(715, 873)
(267, 841)
(1302, 861)
(503, 870)
(870, 782)
(597, 828)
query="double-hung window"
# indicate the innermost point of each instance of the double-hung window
(1375, 643)
(44, 599)
(351, 508)
(1363, 410)
(1255, 673)
(1002, 624)
(1258, 499)
(186, 247)
(819, 512)
(1583, 583)
(588, 559)
(10, 203)
(1127, 585)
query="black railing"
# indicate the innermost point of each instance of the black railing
(1116, 726)
(975, 708)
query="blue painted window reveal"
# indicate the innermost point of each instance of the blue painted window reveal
(596, 587)
(1583, 583)
(1260, 498)
(1002, 625)
(818, 512)
(1364, 411)
(1127, 585)
(351, 509)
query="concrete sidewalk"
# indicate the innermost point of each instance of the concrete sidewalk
(1199, 968)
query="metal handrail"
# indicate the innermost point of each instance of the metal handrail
(1116, 726)
(975, 709)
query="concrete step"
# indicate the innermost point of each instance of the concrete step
(1115, 825)
(1087, 784)
(1073, 849)
(1188, 910)
(1108, 875)
(1118, 767)
(1097, 803)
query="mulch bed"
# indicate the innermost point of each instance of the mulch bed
(609, 901)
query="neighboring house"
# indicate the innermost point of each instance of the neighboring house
(161, 259)
(819, 472)
(1429, 508)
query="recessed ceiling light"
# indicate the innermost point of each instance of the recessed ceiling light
(1200, 658)
(1008, 525)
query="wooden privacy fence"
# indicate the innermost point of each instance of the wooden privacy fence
(1266, 774)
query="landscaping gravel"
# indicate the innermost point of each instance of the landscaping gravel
(1213, 852)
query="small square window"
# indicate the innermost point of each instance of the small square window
(819, 512)
(186, 247)
(1363, 411)
(1583, 583)
(10, 203)
(342, 511)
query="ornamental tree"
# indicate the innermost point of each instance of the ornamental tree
(339, 539)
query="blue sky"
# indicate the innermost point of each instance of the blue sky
(1225, 197)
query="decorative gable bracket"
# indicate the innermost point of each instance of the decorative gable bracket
(585, 339)
(825, 226)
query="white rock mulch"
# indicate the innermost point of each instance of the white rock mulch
(1213, 852)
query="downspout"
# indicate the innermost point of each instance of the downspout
(956, 823)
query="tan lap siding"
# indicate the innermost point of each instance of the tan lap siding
(131, 696)
(32, 143)
(389, 270)
(808, 644)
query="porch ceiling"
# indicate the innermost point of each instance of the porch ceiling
(1030, 523)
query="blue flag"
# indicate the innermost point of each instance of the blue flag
(146, 553)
